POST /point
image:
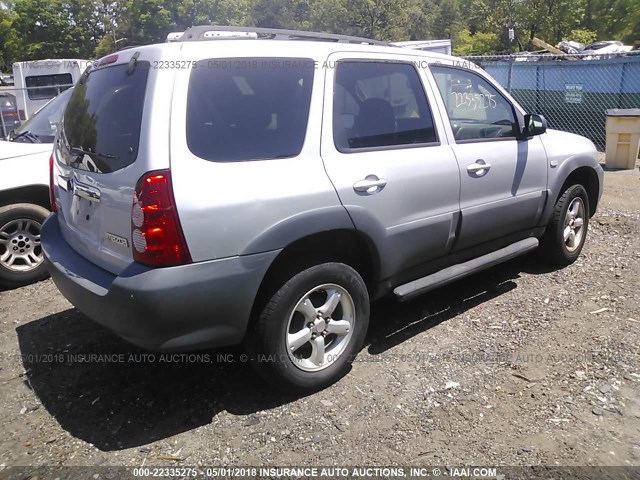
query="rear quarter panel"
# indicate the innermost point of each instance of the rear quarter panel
(238, 208)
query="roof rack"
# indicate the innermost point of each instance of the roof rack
(197, 33)
(128, 47)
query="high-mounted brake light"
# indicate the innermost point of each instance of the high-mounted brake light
(52, 194)
(108, 60)
(156, 233)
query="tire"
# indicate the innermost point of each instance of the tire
(570, 217)
(21, 258)
(324, 308)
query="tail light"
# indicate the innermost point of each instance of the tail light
(156, 234)
(52, 194)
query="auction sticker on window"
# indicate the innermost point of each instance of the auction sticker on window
(573, 92)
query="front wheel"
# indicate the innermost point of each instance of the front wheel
(21, 258)
(312, 328)
(567, 230)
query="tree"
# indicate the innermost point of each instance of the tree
(378, 19)
(479, 43)
(7, 38)
(448, 22)
(43, 30)
(85, 31)
(38, 29)
(188, 13)
(330, 16)
(420, 21)
(281, 14)
(146, 21)
(583, 36)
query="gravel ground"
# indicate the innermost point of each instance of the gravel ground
(519, 365)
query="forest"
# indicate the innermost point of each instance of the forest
(39, 29)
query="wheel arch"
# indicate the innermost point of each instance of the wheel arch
(588, 178)
(347, 246)
(34, 194)
(578, 170)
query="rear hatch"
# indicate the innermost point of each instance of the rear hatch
(100, 154)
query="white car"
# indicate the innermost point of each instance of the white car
(24, 194)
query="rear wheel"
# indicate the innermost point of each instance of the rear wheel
(21, 258)
(567, 230)
(311, 329)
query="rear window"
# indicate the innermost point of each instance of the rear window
(101, 124)
(42, 87)
(242, 109)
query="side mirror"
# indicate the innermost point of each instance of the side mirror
(534, 125)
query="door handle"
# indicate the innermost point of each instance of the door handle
(479, 168)
(371, 184)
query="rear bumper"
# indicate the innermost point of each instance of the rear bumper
(188, 307)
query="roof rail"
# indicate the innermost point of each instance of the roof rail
(198, 33)
(128, 47)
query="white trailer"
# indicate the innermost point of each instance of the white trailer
(38, 81)
(438, 46)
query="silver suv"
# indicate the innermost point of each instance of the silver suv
(263, 190)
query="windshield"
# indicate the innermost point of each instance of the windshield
(101, 125)
(44, 123)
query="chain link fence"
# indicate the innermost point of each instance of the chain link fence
(571, 91)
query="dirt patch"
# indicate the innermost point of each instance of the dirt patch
(518, 365)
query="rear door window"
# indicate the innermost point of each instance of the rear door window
(101, 124)
(380, 104)
(241, 109)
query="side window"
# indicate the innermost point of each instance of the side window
(476, 109)
(43, 87)
(242, 109)
(379, 104)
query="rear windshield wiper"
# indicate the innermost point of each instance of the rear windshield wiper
(32, 137)
(79, 151)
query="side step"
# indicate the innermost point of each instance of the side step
(454, 272)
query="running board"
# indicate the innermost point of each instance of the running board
(454, 272)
